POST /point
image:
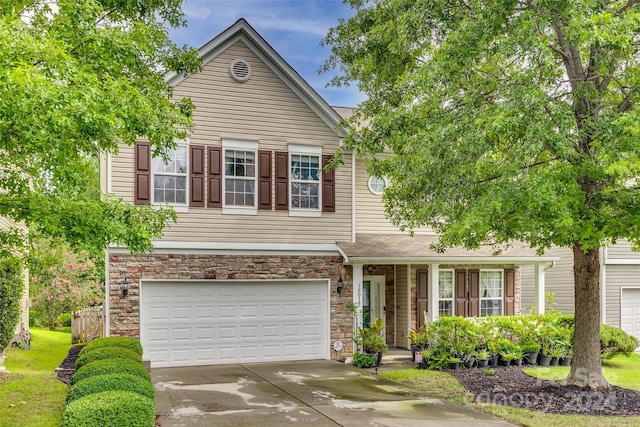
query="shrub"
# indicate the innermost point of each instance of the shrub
(102, 353)
(100, 383)
(110, 408)
(11, 286)
(126, 342)
(64, 320)
(362, 360)
(110, 366)
(614, 341)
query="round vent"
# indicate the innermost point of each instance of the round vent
(240, 70)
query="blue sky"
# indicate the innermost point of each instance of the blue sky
(294, 28)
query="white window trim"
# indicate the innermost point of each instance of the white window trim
(491, 299)
(377, 193)
(453, 293)
(242, 145)
(305, 150)
(178, 207)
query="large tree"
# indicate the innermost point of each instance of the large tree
(509, 120)
(78, 77)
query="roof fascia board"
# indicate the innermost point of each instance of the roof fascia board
(451, 260)
(242, 31)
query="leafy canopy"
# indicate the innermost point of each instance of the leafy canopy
(77, 77)
(509, 120)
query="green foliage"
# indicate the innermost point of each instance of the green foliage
(64, 320)
(370, 340)
(125, 342)
(62, 282)
(78, 79)
(11, 287)
(123, 382)
(362, 360)
(615, 341)
(110, 366)
(103, 353)
(110, 408)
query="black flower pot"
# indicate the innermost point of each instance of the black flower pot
(545, 360)
(530, 358)
(554, 361)
(493, 361)
(483, 363)
(566, 361)
(517, 362)
(502, 362)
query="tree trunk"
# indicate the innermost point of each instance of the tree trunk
(586, 370)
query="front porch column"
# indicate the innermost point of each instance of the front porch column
(434, 278)
(538, 286)
(357, 296)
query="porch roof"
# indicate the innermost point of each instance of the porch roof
(404, 249)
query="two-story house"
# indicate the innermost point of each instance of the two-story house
(271, 254)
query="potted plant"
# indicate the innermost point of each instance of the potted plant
(370, 341)
(494, 350)
(530, 351)
(509, 351)
(454, 362)
(556, 354)
(483, 358)
(567, 358)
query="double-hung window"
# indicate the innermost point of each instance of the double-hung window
(491, 292)
(170, 177)
(445, 293)
(306, 172)
(240, 176)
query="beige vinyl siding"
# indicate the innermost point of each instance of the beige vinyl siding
(618, 277)
(403, 306)
(558, 280)
(622, 250)
(263, 109)
(370, 216)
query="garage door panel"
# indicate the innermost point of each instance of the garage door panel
(630, 311)
(187, 323)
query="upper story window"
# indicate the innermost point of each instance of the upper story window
(240, 173)
(491, 292)
(170, 177)
(306, 172)
(377, 184)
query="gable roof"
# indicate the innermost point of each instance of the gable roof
(241, 30)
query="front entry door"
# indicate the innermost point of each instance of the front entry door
(373, 305)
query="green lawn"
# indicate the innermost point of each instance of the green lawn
(30, 395)
(621, 371)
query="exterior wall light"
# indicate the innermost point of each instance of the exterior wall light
(340, 285)
(125, 287)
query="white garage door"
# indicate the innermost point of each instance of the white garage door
(203, 323)
(630, 311)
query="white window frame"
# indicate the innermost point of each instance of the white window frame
(369, 184)
(501, 298)
(178, 207)
(305, 150)
(453, 292)
(239, 145)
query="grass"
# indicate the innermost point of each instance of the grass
(30, 394)
(621, 371)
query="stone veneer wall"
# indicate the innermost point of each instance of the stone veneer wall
(125, 312)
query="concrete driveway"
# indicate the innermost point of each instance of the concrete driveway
(322, 393)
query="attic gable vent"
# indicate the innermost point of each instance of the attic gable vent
(240, 70)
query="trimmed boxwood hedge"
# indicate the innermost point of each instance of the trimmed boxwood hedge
(110, 408)
(110, 366)
(100, 383)
(126, 342)
(102, 353)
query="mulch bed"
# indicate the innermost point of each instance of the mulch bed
(67, 367)
(510, 386)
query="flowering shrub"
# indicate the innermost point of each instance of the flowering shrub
(69, 284)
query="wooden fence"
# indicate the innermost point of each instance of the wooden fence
(87, 324)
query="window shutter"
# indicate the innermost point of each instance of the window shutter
(264, 180)
(461, 293)
(328, 186)
(509, 292)
(142, 183)
(474, 293)
(422, 292)
(282, 180)
(196, 187)
(215, 177)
